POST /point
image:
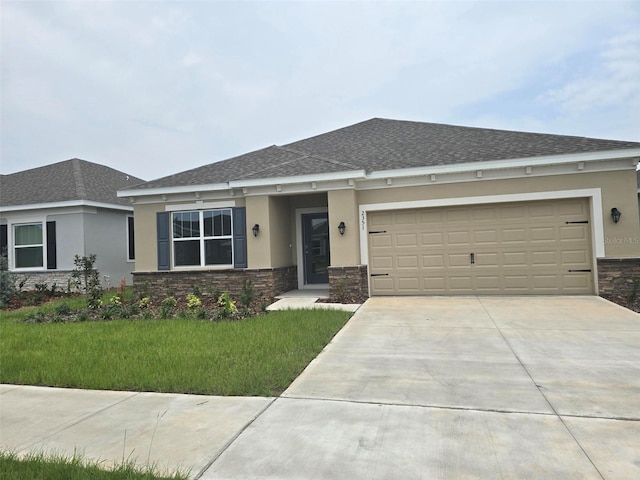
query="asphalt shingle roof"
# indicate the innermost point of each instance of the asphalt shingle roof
(73, 179)
(381, 144)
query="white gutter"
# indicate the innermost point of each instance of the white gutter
(68, 203)
(509, 163)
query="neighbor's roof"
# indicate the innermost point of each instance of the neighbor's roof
(379, 144)
(70, 180)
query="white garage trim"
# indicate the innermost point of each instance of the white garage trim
(594, 195)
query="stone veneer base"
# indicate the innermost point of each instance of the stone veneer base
(619, 276)
(267, 282)
(348, 284)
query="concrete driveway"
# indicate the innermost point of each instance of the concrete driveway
(458, 387)
(462, 387)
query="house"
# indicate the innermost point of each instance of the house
(52, 213)
(387, 207)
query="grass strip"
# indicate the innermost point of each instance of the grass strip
(37, 466)
(259, 356)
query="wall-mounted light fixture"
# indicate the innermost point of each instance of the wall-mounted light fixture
(615, 214)
(341, 228)
(256, 230)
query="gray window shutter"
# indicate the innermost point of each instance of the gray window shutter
(239, 237)
(164, 241)
(52, 262)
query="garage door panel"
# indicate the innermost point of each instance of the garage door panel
(433, 261)
(544, 259)
(382, 262)
(515, 259)
(459, 238)
(573, 232)
(458, 260)
(409, 285)
(381, 240)
(526, 247)
(406, 240)
(486, 237)
(514, 235)
(461, 284)
(408, 261)
(383, 285)
(575, 258)
(409, 218)
(542, 234)
(457, 215)
(432, 239)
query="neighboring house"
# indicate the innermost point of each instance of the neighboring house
(52, 213)
(389, 207)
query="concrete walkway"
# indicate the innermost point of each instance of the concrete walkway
(464, 387)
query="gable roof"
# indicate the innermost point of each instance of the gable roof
(70, 180)
(380, 145)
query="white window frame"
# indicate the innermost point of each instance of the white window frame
(13, 246)
(202, 239)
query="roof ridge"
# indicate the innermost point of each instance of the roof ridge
(78, 178)
(319, 157)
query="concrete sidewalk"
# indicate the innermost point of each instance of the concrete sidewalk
(168, 431)
(462, 387)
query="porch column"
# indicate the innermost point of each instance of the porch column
(343, 207)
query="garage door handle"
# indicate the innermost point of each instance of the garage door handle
(379, 274)
(473, 258)
(571, 271)
(582, 221)
(378, 231)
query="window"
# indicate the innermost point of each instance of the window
(28, 245)
(202, 238)
(131, 244)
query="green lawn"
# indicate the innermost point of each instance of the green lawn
(41, 467)
(259, 356)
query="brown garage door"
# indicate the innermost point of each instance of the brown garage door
(541, 247)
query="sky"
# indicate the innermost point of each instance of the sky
(152, 88)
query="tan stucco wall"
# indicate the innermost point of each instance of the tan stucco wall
(258, 248)
(343, 207)
(280, 233)
(618, 190)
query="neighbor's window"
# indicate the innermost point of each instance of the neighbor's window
(202, 238)
(28, 245)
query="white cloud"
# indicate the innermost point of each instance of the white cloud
(612, 81)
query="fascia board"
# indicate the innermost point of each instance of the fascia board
(320, 177)
(69, 203)
(143, 192)
(261, 182)
(509, 163)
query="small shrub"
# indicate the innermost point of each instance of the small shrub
(63, 309)
(193, 301)
(7, 282)
(87, 279)
(167, 307)
(144, 303)
(82, 316)
(227, 305)
(246, 297)
(195, 290)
